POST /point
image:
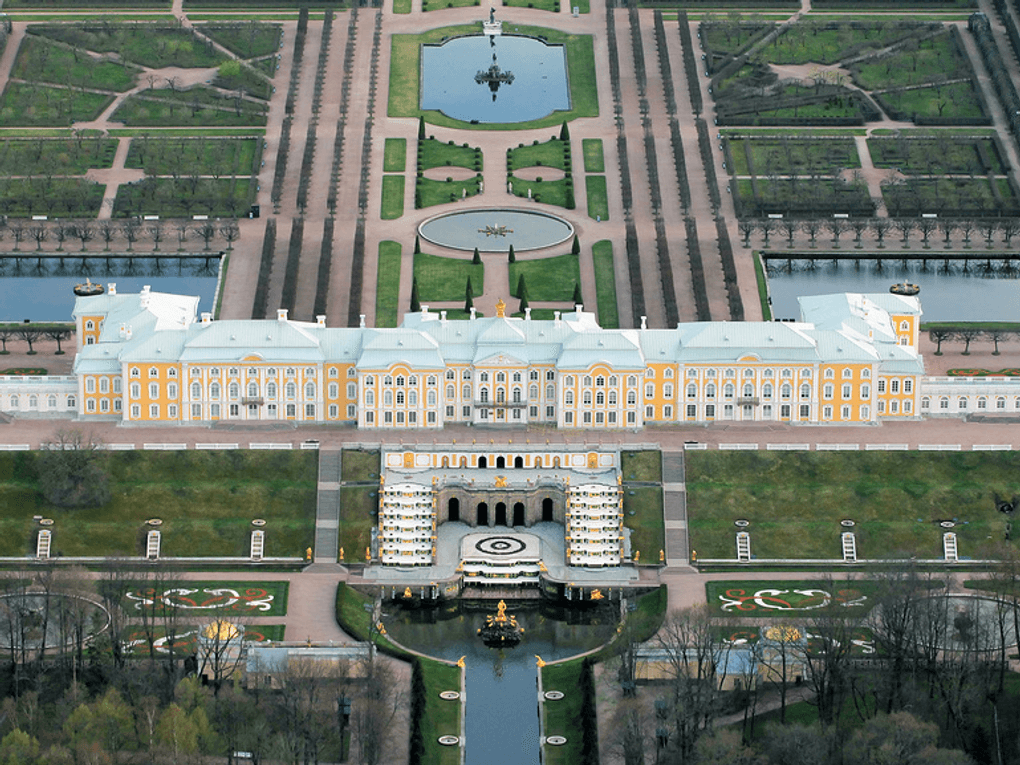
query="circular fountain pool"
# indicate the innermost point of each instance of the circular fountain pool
(495, 229)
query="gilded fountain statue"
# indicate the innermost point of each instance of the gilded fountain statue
(501, 630)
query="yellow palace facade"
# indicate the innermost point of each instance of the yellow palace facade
(148, 357)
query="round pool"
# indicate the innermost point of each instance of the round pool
(495, 229)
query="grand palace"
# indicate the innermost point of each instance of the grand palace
(149, 357)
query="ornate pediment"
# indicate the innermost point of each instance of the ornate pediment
(501, 360)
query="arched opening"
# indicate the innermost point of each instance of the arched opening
(518, 514)
(483, 514)
(547, 509)
(501, 514)
(518, 462)
(556, 461)
(500, 463)
(446, 462)
(483, 463)
(538, 461)
(463, 462)
(453, 509)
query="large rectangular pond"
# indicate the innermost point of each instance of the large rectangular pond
(41, 289)
(963, 291)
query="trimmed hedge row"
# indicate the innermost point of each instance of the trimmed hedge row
(290, 273)
(701, 306)
(261, 300)
(345, 93)
(729, 267)
(998, 71)
(325, 266)
(690, 64)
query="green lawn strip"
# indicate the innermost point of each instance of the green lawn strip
(433, 153)
(547, 154)
(353, 612)
(229, 598)
(160, 154)
(605, 284)
(183, 197)
(198, 106)
(598, 197)
(31, 105)
(957, 100)
(795, 501)
(429, 192)
(563, 716)
(395, 155)
(192, 132)
(594, 162)
(135, 638)
(546, 278)
(791, 599)
(22, 197)
(438, 5)
(1005, 326)
(440, 717)
(763, 288)
(61, 156)
(359, 465)
(642, 514)
(42, 60)
(402, 6)
(459, 314)
(541, 5)
(815, 132)
(645, 466)
(246, 39)
(550, 192)
(206, 500)
(405, 76)
(159, 46)
(392, 206)
(358, 509)
(243, 77)
(387, 285)
(443, 279)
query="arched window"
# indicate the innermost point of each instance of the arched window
(517, 395)
(234, 390)
(766, 391)
(600, 382)
(568, 398)
(290, 390)
(748, 390)
(451, 392)
(400, 381)
(805, 391)
(214, 391)
(587, 397)
(631, 381)
(483, 395)
(517, 376)
(310, 390)
(387, 398)
(483, 377)
(431, 380)
(271, 390)
(631, 398)
(533, 392)
(400, 397)
(369, 398)
(500, 396)
(692, 390)
(451, 375)
(500, 377)
(253, 390)
(600, 398)
(51, 402)
(785, 391)
(710, 390)
(728, 390)
(432, 398)
(412, 398)
(196, 391)
(466, 393)
(550, 392)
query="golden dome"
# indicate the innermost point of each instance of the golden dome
(221, 630)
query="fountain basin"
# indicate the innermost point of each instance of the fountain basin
(524, 229)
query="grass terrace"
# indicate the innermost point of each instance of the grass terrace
(795, 501)
(597, 196)
(546, 278)
(162, 155)
(395, 155)
(247, 39)
(433, 153)
(605, 284)
(594, 162)
(159, 46)
(25, 104)
(392, 205)
(44, 60)
(387, 289)
(445, 279)
(206, 500)
(440, 717)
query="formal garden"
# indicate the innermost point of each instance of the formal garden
(897, 504)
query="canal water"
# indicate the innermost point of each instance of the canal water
(965, 291)
(41, 289)
(501, 719)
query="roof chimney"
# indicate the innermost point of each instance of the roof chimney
(143, 297)
(320, 321)
(644, 322)
(579, 307)
(206, 318)
(281, 314)
(472, 313)
(556, 316)
(125, 332)
(111, 288)
(442, 317)
(361, 321)
(424, 310)
(527, 313)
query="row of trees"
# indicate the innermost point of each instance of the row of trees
(968, 334)
(103, 699)
(881, 229)
(33, 334)
(947, 668)
(130, 231)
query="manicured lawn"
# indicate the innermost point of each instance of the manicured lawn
(436, 5)
(405, 76)
(550, 192)
(392, 197)
(594, 162)
(547, 278)
(206, 500)
(358, 512)
(442, 278)
(542, 5)
(162, 155)
(158, 46)
(548, 154)
(387, 285)
(430, 192)
(642, 514)
(208, 598)
(789, 598)
(21, 197)
(563, 716)
(31, 105)
(598, 197)
(641, 466)
(135, 640)
(958, 100)
(198, 106)
(795, 501)
(441, 717)
(183, 197)
(44, 61)
(359, 466)
(395, 155)
(433, 153)
(605, 284)
(402, 6)
(247, 39)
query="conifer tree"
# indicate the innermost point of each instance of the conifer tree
(415, 304)
(468, 299)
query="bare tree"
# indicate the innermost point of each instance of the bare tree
(58, 334)
(130, 231)
(84, 232)
(108, 231)
(230, 231)
(746, 228)
(927, 227)
(967, 335)
(156, 231)
(375, 711)
(947, 226)
(17, 229)
(837, 227)
(811, 227)
(40, 233)
(939, 336)
(988, 228)
(206, 231)
(183, 228)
